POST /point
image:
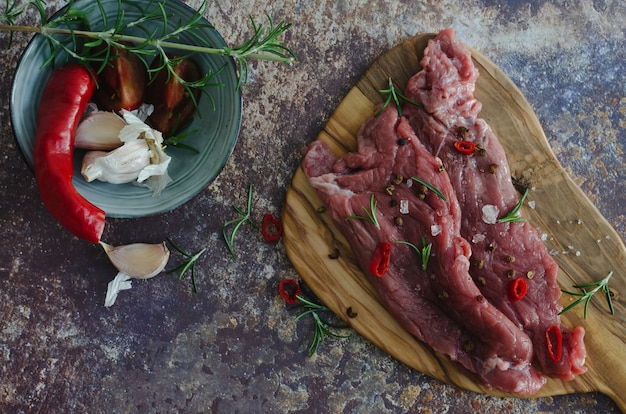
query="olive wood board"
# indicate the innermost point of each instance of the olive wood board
(561, 211)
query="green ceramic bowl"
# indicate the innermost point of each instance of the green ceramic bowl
(216, 129)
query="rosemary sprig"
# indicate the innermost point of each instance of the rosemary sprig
(396, 97)
(73, 27)
(423, 253)
(430, 187)
(512, 216)
(585, 296)
(244, 216)
(175, 141)
(322, 328)
(370, 215)
(189, 263)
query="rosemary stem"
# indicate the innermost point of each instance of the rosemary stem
(48, 31)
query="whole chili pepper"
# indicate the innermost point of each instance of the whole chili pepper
(62, 105)
(554, 342)
(517, 289)
(465, 147)
(272, 229)
(380, 260)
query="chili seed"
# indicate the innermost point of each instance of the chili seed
(491, 246)
(480, 150)
(462, 132)
(441, 168)
(321, 209)
(389, 189)
(398, 180)
(530, 274)
(468, 346)
(398, 221)
(351, 313)
(510, 273)
(510, 259)
(444, 295)
(493, 168)
(479, 263)
(481, 280)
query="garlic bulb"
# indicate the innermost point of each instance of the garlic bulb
(140, 159)
(119, 166)
(138, 260)
(99, 130)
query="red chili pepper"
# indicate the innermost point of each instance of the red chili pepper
(289, 290)
(380, 260)
(465, 147)
(62, 105)
(517, 289)
(554, 341)
(272, 229)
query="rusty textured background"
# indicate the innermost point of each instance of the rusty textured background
(232, 347)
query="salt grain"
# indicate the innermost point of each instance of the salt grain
(435, 230)
(404, 206)
(490, 214)
(478, 238)
(531, 204)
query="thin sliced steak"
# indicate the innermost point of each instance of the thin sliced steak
(440, 305)
(501, 252)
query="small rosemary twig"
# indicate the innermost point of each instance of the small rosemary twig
(322, 328)
(244, 216)
(190, 263)
(396, 97)
(424, 252)
(370, 215)
(585, 296)
(512, 216)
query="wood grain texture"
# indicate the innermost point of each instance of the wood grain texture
(586, 247)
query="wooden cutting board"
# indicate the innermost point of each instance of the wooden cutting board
(561, 211)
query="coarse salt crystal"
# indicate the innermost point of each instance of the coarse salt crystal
(531, 204)
(404, 206)
(490, 214)
(479, 237)
(435, 230)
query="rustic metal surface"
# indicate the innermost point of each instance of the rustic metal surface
(233, 346)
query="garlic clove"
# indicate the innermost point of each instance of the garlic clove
(139, 260)
(99, 130)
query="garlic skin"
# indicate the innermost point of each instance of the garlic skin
(99, 131)
(138, 260)
(115, 286)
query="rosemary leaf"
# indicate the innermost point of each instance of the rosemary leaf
(430, 187)
(512, 216)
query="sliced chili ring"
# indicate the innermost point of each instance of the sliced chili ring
(272, 228)
(465, 147)
(380, 260)
(554, 342)
(517, 289)
(289, 289)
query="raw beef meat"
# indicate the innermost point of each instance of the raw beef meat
(439, 304)
(501, 252)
